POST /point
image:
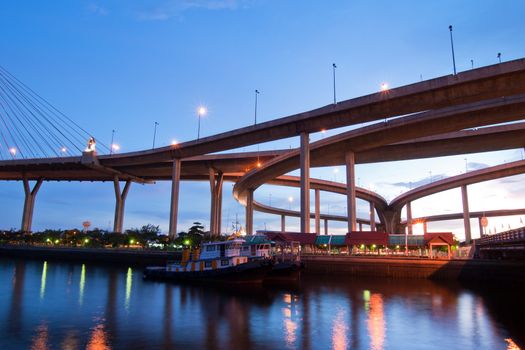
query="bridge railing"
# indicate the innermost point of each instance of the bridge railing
(503, 237)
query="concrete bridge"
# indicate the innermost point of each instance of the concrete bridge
(454, 114)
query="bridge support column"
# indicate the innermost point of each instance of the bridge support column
(283, 223)
(305, 182)
(216, 201)
(29, 204)
(350, 190)
(249, 212)
(317, 211)
(372, 217)
(409, 218)
(466, 214)
(174, 208)
(325, 226)
(120, 201)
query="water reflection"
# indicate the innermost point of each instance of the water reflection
(322, 313)
(376, 322)
(82, 284)
(129, 282)
(43, 281)
(98, 339)
(339, 330)
(290, 325)
(40, 340)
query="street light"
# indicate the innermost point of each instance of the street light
(256, 93)
(111, 144)
(201, 111)
(499, 57)
(333, 72)
(452, 46)
(154, 134)
(384, 86)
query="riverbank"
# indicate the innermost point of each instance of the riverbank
(134, 257)
(370, 266)
(401, 267)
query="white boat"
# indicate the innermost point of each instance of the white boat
(215, 262)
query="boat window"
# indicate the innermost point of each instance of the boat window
(207, 264)
(210, 248)
(225, 262)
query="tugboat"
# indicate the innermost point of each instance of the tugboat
(219, 262)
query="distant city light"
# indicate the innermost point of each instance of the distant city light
(174, 142)
(12, 150)
(384, 86)
(259, 164)
(290, 199)
(323, 131)
(336, 170)
(63, 149)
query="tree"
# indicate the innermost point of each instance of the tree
(196, 229)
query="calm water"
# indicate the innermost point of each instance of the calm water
(58, 305)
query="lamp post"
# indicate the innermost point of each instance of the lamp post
(256, 93)
(200, 112)
(154, 134)
(471, 64)
(499, 57)
(111, 144)
(333, 72)
(452, 46)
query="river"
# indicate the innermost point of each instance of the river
(62, 305)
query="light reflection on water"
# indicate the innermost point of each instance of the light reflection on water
(113, 308)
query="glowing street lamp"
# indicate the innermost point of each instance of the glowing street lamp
(12, 150)
(174, 142)
(201, 111)
(384, 86)
(115, 147)
(63, 150)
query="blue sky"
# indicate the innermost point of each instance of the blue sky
(125, 64)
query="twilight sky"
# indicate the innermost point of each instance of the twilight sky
(123, 65)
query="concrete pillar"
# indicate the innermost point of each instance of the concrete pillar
(360, 226)
(466, 214)
(283, 223)
(216, 181)
(350, 190)
(372, 217)
(220, 180)
(213, 202)
(409, 217)
(318, 211)
(249, 212)
(120, 201)
(480, 227)
(174, 207)
(325, 226)
(29, 204)
(305, 182)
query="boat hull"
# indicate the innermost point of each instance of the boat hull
(252, 272)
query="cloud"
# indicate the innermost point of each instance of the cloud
(97, 9)
(170, 8)
(476, 166)
(417, 183)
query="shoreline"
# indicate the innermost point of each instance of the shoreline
(360, 266)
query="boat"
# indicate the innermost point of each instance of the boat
(216, 262)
